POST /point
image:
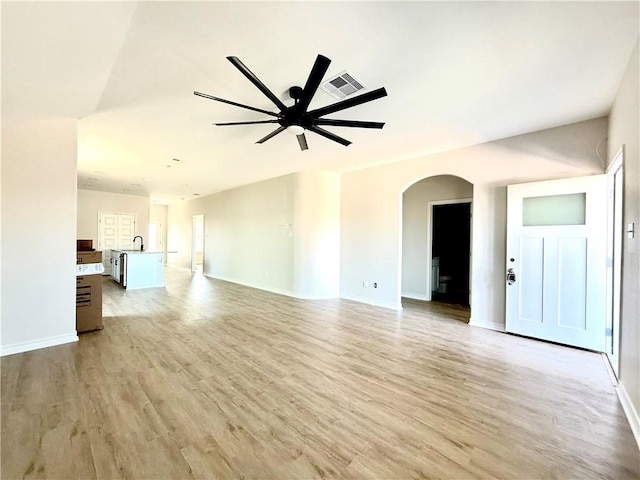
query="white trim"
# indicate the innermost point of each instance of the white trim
(400, 233)
(499, 327)
(415, 296)
(371, 301)
(630, 412)
(37, 344)
(312, 296)
(618, 160)
(607, 365)
(279, 291)
(614, 275)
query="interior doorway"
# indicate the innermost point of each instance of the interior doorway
(197, 247)
(450, 251)
(420, 274)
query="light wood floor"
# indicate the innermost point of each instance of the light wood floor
(207, 379)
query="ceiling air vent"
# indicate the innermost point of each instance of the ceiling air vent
(342, 85)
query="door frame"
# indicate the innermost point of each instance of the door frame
(614, 259)
(430, 206)
(193, 242)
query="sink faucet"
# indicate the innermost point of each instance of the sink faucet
(141, 242)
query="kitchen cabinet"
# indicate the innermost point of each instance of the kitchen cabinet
(134, 269)
(115, 265)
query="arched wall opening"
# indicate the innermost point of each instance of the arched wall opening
(436, 240)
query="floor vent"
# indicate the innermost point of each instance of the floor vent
(342, 85)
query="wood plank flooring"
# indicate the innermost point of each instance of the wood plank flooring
(207, 379)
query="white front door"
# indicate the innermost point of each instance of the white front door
(556, 260)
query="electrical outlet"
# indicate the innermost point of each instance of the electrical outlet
(375, 284)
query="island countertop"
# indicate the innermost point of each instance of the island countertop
(136, 252)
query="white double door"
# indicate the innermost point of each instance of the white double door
(115, 232)
(556, 260)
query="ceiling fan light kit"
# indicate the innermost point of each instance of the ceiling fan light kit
(296, 119)
(295, 129)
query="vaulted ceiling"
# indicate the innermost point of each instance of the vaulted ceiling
(456, 73)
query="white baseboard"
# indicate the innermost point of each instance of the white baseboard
(37, 344)
(372, 301)
(313, 296)
(415, 296)
(630, 412)
(279, 291)
(488, 325)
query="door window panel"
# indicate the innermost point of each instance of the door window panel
(566, 209)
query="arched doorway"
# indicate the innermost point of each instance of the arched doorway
(436, 240)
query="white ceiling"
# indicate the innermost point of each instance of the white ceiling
(457, 74)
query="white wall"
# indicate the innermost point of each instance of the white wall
(416, 228)
(623, 130)
(158, 215)
(246, 239)
(372, 209)
(91, 202)
(280, 235)
(38, 234)
(316, 233)
(180, 230)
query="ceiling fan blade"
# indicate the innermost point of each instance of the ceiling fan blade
(256, 81)
(302, 141)
(313, 82)
(272, 134)
(349, 102)
(348, 123)
(211, 97)
(244, 123)
(329, 135)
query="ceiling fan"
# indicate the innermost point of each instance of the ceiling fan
(296, 119)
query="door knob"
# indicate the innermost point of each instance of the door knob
(511, 276)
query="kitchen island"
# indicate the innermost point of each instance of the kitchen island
(135, 269)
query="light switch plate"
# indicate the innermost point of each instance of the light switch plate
(630, 230)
